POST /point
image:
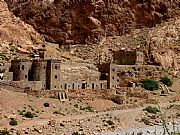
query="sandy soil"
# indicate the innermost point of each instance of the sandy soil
(68, 117)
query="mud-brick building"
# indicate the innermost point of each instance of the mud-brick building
(125, 75)
(45, 74)
(38, 74)
(4, 72)
(42, 74)
(128, 57)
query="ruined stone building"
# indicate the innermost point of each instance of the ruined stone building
(44, 73)
(36, 74)
(128, 57)
(128, 69)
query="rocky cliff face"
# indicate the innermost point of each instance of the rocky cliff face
(15, 35)
(84, 21)
(160, 44)
(150, 25)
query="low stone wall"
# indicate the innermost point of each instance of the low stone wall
(8, 76)
(33, 85)
(134, 92)
(48, 93)
(91, 94)
(140, 94)
(10, 86)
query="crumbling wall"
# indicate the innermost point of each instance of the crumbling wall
(134, 93)
(128, 57)
(49, 93)
(91, 94)
(135, 73)
(32, 85)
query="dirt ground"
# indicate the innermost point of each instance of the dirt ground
(65, 118)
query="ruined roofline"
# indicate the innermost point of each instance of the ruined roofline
(126, 50)
(88, 81)
(36, 60)
(54, 60)
(143, 66)
(21, 60)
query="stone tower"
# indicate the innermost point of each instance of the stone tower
(39, 69)
(21, 69)
(53, 74)
(112, 76)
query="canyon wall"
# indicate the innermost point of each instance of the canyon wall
(84, 21)
(149, 25)
(14, 33)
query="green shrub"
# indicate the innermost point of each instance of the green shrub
(88, 109)
(167, 81)
(110, 122)
(150, 109)
(46, 104)
(4, 132)
(20, 112)
(149, 84)
(116, 100)
(127, 62)
(76, 105)
(13, 122)
(146, 121)
(28, 115)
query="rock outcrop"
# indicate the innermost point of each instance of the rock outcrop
(79, 72)
(160, 44)
(150, 25)
(15, 35)
(84, 21)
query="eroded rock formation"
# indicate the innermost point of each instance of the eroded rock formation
(84, 21)
(14, 33)
(110, 23)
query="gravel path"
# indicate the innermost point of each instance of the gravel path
(153, 130)
(59, 119)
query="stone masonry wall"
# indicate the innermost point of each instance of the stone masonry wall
(135, 73)
(32, 85)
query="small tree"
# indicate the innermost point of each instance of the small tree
(149, 84)
(13, 122)
(166, 80)
(28, 115)
(4, 132)
(116, 100)
(46, 104)
(150, 109)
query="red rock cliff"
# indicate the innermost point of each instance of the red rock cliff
(80, 21)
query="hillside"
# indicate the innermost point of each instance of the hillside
(95, 27)
(15, 35)
(160, 44)
(77, 96)
(84, 21)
